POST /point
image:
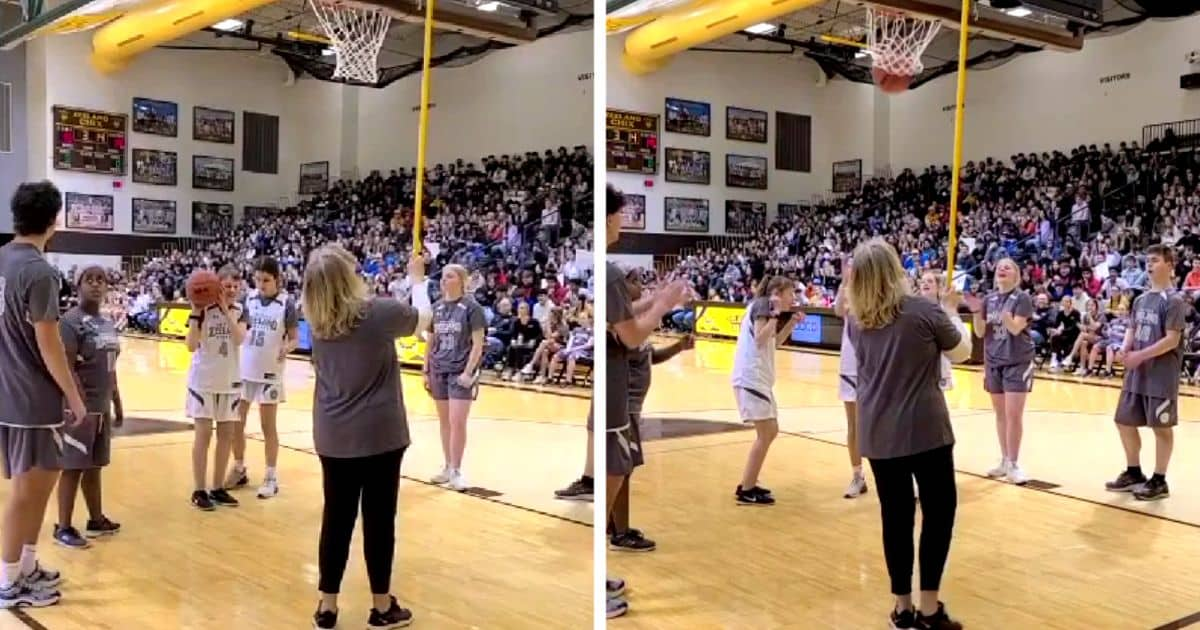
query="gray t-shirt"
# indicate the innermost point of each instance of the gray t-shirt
(1154, 313)
(619, 309)
(92, 347)
(359, 408)
(29, 289)
(640, 368)
(1001, 347)
(901, 407)
(453, 324)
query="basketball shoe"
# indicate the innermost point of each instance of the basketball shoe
(902, 619)
(754, 496)
(999, 471)
(1127, 481)
(616, 607)
(581, 489)
(393, 617)
(631, 540)
(441, 477)
(237, 478)
(858, 487)
(269, 488)
(937, 621)
(23, 595)
(324, 619)
(1153, 490)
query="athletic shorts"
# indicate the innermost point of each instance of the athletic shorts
(635, 437)
(1139, 410)
(1008, 379)
(446, 387)
(754, 405)
(847, 388)
(620, 449)
(215, 407)
(263, 393)
(26, 448)
(88, 445)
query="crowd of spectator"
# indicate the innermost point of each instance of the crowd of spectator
(1077, 222)
(519, 223)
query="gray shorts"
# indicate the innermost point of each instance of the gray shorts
(88, 445)
(1139, 410)
(26, 448)
(620, 447)
(1008, 379)
(446, 387)
(635, 436)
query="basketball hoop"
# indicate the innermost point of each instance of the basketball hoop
(896, 42)
(357, 32)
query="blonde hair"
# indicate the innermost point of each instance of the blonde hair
(461, 272)
(939, 281)
(1017, 281)
(334, 296)
(878, 285)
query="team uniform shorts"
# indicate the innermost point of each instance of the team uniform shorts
(1008, 379)
(88, 445)
(444, 386)
(623, 449)
(26, 448)
(755, 405)
(215, 407)
(1140, 410)
(263, 393)
(847, 388)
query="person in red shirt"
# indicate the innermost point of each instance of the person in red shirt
(1192, 281)
(1091, 283)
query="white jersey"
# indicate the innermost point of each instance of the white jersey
(848, 365)
(268, 319)
(947, 380)
(214, 367)
(754, 366)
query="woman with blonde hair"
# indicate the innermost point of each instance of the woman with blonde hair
(903, 423)
(452, 359)
(1002, 320)
(360, 429)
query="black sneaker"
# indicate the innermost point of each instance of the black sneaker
(395, 617)
(579, 490)
(201, 501)
(902, 620)
(1152, 490)
(937, 621)
(221, 496)
(1125, 482)
(754, 496)
(631, 540)
(101, 527)
(69, 537)
(324, 619)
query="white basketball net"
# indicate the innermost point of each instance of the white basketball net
(357, 32)
(896, 41)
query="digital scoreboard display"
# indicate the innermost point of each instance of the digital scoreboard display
(632, 144)
(87, 141)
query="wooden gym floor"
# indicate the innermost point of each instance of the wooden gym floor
(508, 556)
(1067, 556)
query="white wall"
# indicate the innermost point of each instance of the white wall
(528, 98)
(309, 119)
(843, 123)
(1051, 100)
(12, 164)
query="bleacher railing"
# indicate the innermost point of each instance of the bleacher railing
(1186, 132)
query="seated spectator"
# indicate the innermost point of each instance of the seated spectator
(580, 345)
(525, 334)
(1064, 333)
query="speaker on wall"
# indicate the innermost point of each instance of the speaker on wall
(1190, 81)
(1168, 8)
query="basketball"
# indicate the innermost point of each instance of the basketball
(891, 83)
(203, 288)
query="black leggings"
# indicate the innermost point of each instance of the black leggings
(934, 471)
(376, 480)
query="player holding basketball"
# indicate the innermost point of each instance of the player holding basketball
(92, 347)
(767, 324)
(1153, 358)
(847, 384)
(35, 385)
(451, 371)
(1003, 321)
(932, 287)
(272, 335)
(214, 333)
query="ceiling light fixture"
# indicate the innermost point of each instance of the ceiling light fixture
(229, 25)
(1019, 12)
(762, 28)
(490, 7)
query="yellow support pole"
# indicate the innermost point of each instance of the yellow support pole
(423, 127)
(956, 175)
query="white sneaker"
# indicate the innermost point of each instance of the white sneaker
(269, 488)
(22, 595)
(1054, 364)
(441, 477)
(458, 483)
(1082, 371)
(1017, 476)
(999, 471)
(858, 487)
(236, 478)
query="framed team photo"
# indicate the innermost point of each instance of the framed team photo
(745, 217)
(747, 125)
(212, 173)
(685, 215)
(212, 125)
(688, 166)
(157, 118)
(211, 219)
(847, 176)
(154, 216)
(89, 212)
(746, 171)
(633, 215)
(314, 178)
(689, 117)
(158, 168)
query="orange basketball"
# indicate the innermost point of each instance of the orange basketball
(204, 288)
(890, 83)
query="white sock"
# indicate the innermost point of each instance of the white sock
(239, 465)
(270, 472)
(858, 471)
(28, 559)
(9, 573)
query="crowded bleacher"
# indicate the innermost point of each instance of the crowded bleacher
(521, 224)
(1077, 222)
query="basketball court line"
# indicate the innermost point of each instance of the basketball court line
(23, 617)
(1182, 622)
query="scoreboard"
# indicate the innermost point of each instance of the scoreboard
(92, 142)
(632, 144)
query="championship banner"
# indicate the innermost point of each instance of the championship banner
(719, 319)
